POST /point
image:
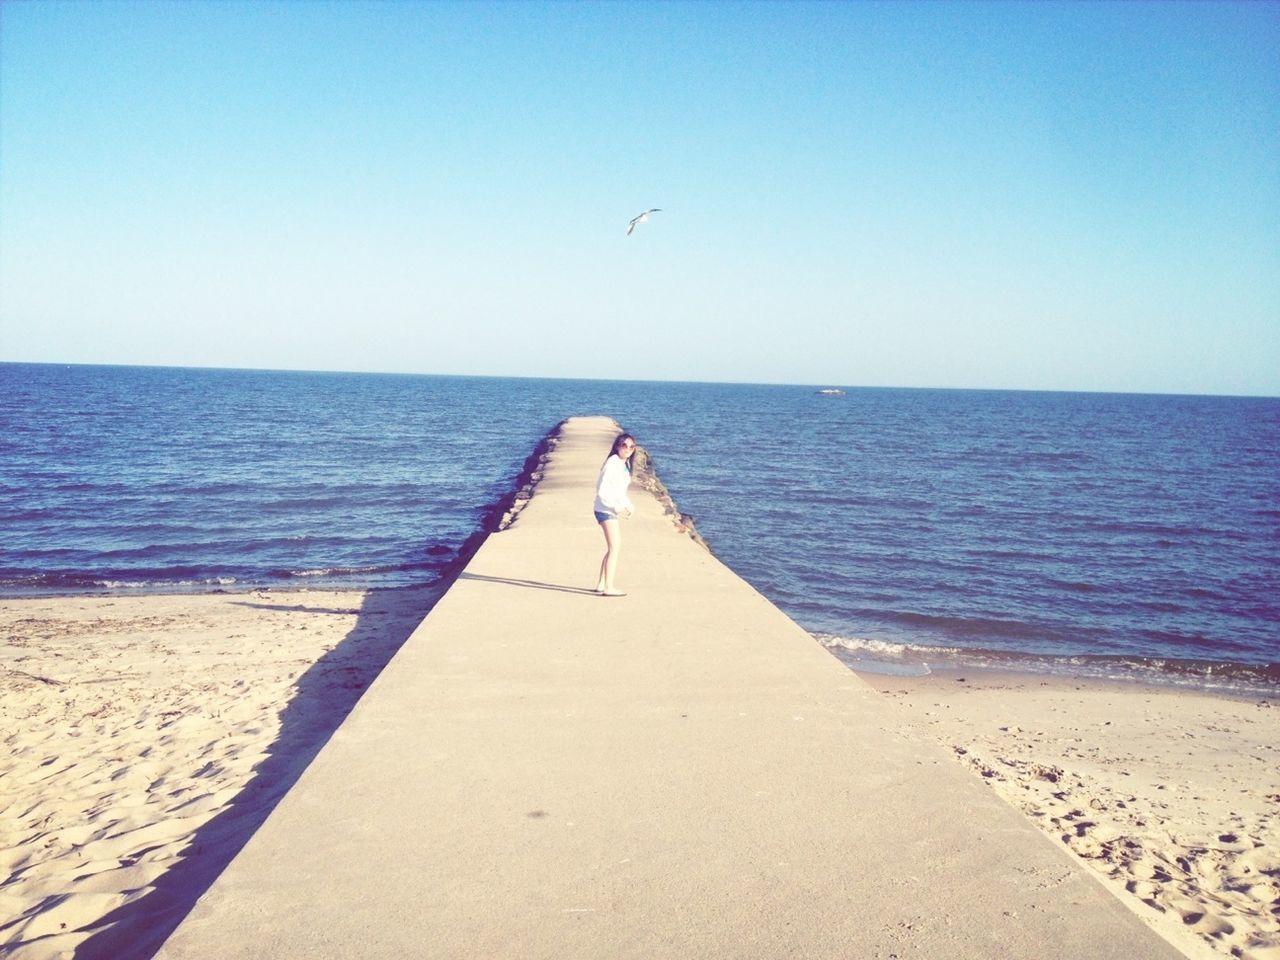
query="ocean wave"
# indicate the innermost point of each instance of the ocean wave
(430, 559)
(149, 584)
(879, 656)
(339, 571)
(167, 579)
(60, 583)
(968, 625)
(910, 659)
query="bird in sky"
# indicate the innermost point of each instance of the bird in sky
(641, 219)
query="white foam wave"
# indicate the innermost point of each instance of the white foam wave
(165, 584)
(884, 648)
(332, 571)
(907, 659)
(881, 656)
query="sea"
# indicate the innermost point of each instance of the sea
(908, 530)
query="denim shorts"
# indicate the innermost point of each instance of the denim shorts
(602, 517)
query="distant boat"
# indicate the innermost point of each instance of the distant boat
(831, 392)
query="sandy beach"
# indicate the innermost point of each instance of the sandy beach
(1171, 796)
(135, 725)
(148, 736)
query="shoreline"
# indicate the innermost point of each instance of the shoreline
(918, 661)
(1226, 678)
(874, 659)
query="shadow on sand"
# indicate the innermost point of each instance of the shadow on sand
(326, 694)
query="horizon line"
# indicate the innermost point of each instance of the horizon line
(731, 383)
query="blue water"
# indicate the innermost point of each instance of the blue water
(902, 527)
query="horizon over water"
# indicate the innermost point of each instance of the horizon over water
(906, 528)
(816, 385)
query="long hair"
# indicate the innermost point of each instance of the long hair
(618, 441)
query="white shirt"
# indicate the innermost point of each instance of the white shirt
(611, 487)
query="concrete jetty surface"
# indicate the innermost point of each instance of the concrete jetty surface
(682, 772)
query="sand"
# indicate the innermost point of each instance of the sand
(1171, 795)
(131, 722)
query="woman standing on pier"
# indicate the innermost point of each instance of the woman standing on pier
(612, 500)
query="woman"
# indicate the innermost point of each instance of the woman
(612, 500)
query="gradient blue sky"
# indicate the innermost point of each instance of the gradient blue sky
(1050, 195)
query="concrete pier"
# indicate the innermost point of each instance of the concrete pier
(682, 772)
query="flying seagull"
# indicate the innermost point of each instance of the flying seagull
(641, 219)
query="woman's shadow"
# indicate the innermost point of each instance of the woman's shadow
(326, 693)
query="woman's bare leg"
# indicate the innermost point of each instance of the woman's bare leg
(613, 549)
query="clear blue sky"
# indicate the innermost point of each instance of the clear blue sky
(1049, 195)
